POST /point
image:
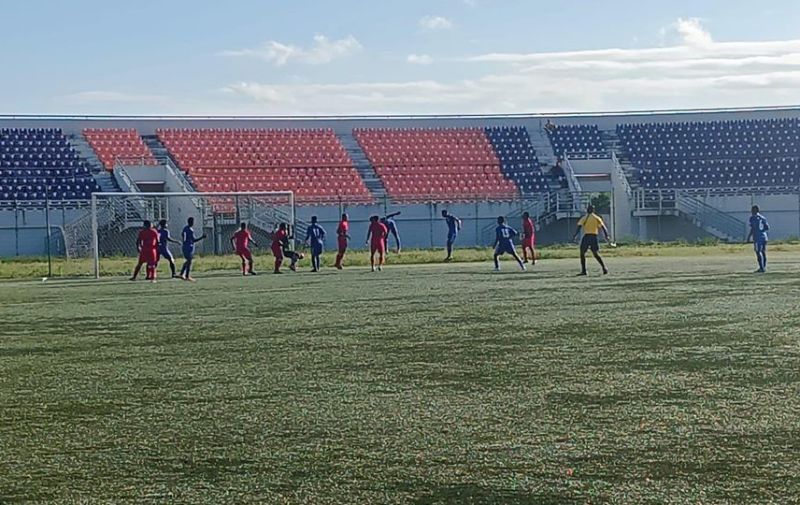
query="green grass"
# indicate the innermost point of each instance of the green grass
(673, 380)
(22, 268)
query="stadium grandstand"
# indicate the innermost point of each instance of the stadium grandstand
(668, 175)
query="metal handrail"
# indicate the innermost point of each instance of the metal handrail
(621, 174)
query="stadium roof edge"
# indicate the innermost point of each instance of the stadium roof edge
(399, 116)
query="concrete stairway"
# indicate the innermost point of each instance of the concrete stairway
(543, 147)
(612, 142)
(102, 176)
(162, 154)
(362, 164)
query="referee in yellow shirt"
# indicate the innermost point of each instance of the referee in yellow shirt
(591, 224)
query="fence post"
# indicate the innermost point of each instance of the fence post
(16, 227)
(95, 238)
(431, 211)
(477, 225)
(47, 224)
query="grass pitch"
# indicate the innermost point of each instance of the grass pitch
(673, 380)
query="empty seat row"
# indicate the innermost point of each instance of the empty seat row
(119, 146)
(738, 153)
(39, 163)
(435, 161)
(311, 162)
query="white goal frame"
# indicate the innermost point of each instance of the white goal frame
(289, 195)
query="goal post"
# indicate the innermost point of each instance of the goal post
(116, 219)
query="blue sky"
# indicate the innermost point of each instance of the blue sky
(286, 57)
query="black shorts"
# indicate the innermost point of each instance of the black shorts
(589, 242)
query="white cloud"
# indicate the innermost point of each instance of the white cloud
(435, 23)
(695, 72)
(323, 50)
(113, 97)
(693, 33)
(419, 59)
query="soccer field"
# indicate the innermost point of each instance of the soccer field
(672, 380)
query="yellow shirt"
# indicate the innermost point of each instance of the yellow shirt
(592, 224)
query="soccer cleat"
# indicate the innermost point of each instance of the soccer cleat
(277, 272)
(496, 269)
(380, 269)
(605, 271)
(582, 274)
(314, 270)
(189, 279)
(373, 269)
(339, 267)
(253, 273)
(177, 277)
(524, 261)
(448, 259)
(293, 268)
(522, 267)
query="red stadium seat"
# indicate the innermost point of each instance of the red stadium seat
(439, 163)
(311, 162)
(123, 145)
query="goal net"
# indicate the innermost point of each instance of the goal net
(109, 231)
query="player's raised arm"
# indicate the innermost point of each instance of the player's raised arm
(393, 214)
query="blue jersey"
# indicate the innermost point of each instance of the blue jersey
(505, 234)
(315, 234)
(452, 225)
(391, 225)
(759, 226)
(188, 237)
(163, 238)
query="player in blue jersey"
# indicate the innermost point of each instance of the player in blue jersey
(453, 226)
(391, 225)
(164, 240)
(504, 243)
(758, 232)
(315, 238)
(188, 240)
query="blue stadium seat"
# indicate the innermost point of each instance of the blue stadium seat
(714, 154)
(39, 163)
(517, 157)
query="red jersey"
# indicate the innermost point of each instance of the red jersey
(528, 228)
(378, 232)
(343, 229)
(148, 239)
(278, 238)
(242, 239)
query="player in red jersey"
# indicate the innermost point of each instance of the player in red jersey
(147, 245)
(241, 244)
(528, 238)
(342, 236)
(376, 238)
(280, 236)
